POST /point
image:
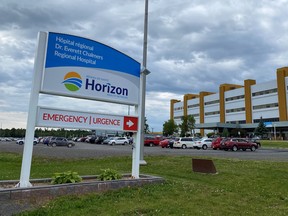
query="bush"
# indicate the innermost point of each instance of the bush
(109, 174)
(66, 177)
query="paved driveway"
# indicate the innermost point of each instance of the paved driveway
(85, 150)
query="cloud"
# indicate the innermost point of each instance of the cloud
(193, 46)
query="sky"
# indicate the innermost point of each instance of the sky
(193, 46)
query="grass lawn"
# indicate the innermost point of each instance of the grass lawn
(239, 188)
(274, 143)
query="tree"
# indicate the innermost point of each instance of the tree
(225, 133)
(187, 125)
(146, 127)
(170, 127)
(261, 129)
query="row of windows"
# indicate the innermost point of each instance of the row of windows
(235, 110)
(193, 105)
(237, 122)
(265, 106)
(266, 120)
(212, 113)
(235, 98)
(269, 91)
(178, 108)
(212, 102)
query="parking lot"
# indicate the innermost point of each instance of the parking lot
(86, 150)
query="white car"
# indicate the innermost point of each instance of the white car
(118, 141)
(204, 143)
(21, 141)
(184, 142)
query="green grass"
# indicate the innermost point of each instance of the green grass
(239, 188)
(274, 144)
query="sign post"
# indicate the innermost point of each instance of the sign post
(72, 66)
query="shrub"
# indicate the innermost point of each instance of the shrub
(109, 174)
(66, 177)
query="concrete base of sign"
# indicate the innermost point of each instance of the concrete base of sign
(14, 200)
(143, 162)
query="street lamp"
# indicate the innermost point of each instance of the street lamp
(274, 131)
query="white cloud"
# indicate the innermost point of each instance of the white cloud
(193, 46)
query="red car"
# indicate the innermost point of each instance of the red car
(237, 143)
(152, 140)
(216, 143)
(166, 143)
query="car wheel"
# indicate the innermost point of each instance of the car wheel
(253, 148)
(53, 144)
(204, 147)
(184, 146)
(34, 142)
(234, 148)
(21, 143)
(125, 143)
(151, 144)
(69, 145)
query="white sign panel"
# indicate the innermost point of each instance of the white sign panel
(81, 120)
(83, 68)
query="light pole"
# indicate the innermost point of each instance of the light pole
(274, 131)
(143, 81)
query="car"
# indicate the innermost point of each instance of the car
(118, 141)
(60, 141)
(166, 143)
(216, 143)
(22, 141)
(257, 141)
(184, 142)
(152, 140)
(106, 141)
(203, 143)
(235, 144)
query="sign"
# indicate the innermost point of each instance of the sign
(48, 117)
(83, 68)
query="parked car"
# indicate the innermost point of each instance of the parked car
(61, 141)
(216, 143)
(22, 141)
(238, 143)
(166, 143)
(204, 143)
(118, 141)
(184, 142)
(255, 140)
(106, 141)
(152, 140)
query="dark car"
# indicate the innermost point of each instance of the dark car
(237, 143)
(61, 141)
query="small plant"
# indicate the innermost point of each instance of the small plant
(66, 177)
(109, 174)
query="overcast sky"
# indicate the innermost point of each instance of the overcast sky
(193, 46)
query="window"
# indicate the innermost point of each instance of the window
(235, 98)
(212, 102)
(265, 106)
(235, 110)
(269, 91)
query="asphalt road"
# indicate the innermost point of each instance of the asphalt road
(85, 150)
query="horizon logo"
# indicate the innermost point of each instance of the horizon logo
(72, 81)
(92, 84)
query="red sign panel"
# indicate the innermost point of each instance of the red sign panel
(130, 123)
